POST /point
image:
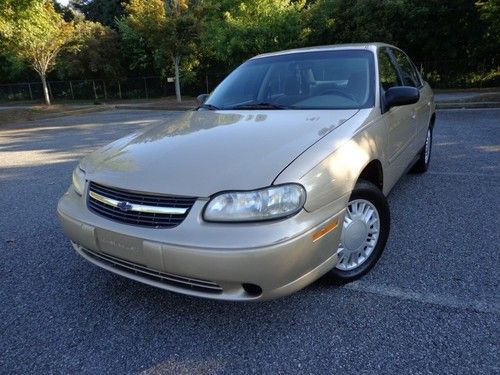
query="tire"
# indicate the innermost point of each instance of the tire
(359, 242)
(422, 164)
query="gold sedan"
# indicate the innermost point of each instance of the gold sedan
(278, 178)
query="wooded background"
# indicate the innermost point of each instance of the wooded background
(455, 43)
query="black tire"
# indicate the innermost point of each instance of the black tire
(367, 191)
(422, 165)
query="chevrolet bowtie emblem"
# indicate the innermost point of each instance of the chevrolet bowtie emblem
(124, 206)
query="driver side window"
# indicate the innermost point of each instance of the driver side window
(388, 73)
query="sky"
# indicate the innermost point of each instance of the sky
(63, 2)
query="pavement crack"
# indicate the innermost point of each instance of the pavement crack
(427, 298)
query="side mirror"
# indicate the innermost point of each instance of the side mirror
(202, 98)
(403, 95)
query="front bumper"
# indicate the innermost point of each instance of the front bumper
(222, 261)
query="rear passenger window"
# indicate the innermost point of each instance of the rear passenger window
(410, 75)
(388, 73)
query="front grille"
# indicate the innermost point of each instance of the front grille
(150, 274)
(146, 219)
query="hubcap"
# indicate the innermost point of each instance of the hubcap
(427, 151)
(360, 234)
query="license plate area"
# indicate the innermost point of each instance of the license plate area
(119, 245)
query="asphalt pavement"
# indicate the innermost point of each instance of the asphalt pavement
(431, 305)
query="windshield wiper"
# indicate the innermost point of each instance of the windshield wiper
(262, 105)
(210, 107)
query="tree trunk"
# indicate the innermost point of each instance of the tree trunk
(45, 88)
(176, 60)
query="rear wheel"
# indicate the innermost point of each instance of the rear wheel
(422, 164)
(364, 233)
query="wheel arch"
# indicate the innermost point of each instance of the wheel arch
(432, 120)
(373, 172)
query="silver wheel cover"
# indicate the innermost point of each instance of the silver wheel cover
(360, 233)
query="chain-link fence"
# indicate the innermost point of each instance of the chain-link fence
(98, 89)
(440, 74)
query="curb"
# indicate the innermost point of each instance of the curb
(180, 108)
(458, 105)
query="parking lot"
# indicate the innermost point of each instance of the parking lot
(430, 305)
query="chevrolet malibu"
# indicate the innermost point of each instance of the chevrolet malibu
(279, 177)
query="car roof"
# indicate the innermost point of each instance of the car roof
(334, 47)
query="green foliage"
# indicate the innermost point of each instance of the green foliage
(35, 33)
(455, 43)
(489, 13)
(12, 68)
(171, 29)
(337, 21)
(445, 38)
(136, 54)
(92, 52)
(423, 29)
(252, 27)
(103, 11)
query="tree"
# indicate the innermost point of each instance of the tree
(442, 37)
(35, 33)
(106, 12)
(93, 51)
(171, 27)
(246, 28)
(136, 53)
(12, 69)
(351, 21)
(489, 11)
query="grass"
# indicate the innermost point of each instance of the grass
(29, 111)
(40, 112)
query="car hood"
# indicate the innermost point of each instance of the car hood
(204, 152)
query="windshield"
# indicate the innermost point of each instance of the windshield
(309, 80)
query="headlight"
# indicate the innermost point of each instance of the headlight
(79, 180)
(266, 204)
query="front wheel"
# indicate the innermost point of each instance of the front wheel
(364, 233)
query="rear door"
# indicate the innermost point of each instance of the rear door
(410, 77)
(400, 120)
